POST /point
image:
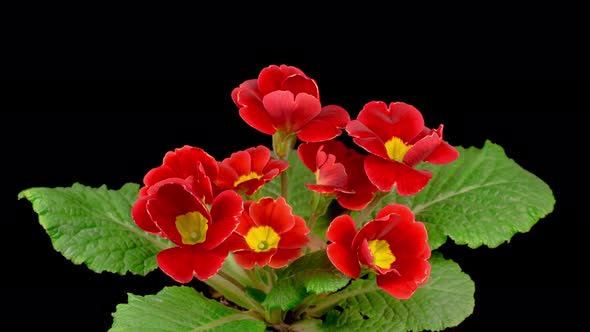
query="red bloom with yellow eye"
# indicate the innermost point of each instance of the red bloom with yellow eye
(189, 163)
(198, 232)
(393, 245)
(246, 171)
(284, 99)
(398, 141)
(339, 171)
(268, 234)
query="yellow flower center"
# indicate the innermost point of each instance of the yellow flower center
(247, 177)
(262, 238)
(192, 227)
(382, 255)
(396, 149)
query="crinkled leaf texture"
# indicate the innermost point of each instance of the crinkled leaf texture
(312, 273)
(94, 226)
(178, 309)
(482, 198)
(443, 302)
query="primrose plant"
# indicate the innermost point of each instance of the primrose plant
(307, 233)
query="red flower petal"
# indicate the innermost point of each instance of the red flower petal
(276, 214)
(246, 221)
(409, 241)
(260, 158)
(355, 200)
(403, 211)
(283, 257)
(326, 125)
(385, 174)
(375, 229)
(248, 259)
(177, 263)
(422, 149)
(172, 198)
(272, 77)
(182, 263)
(322, 189)
(330, 172)
(296, 237)
(366, 138)
(404, 286)
(240, 161)
(225, 212)
(247, 93)
(258, 118)
(141, 217)
(378, 119)
(443, 154)
(301, 84)
(307, 154)
(363, 189)
(407, 121)
(186, 161)
(342, 230)
(158, 174)
(344, 259)
(214, 261)
(290, 113)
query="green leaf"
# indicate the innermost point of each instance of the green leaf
(177, 309)
(94, 226)
(444, 301)
(312, 273)
(482, 198)
(298, 195)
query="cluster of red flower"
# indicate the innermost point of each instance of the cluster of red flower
(202, 205)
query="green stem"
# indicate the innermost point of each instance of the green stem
(297, 311)
(366, 212)
(231, 267)
(319, 206)
(274, 316)
(284, 184)
(231, 290)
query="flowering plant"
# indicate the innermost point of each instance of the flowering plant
(307, 233)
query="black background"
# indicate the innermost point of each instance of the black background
(100, 107)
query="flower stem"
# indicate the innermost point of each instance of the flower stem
(231, 290)
(284, 184)
(366, 212)
(231, 268)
